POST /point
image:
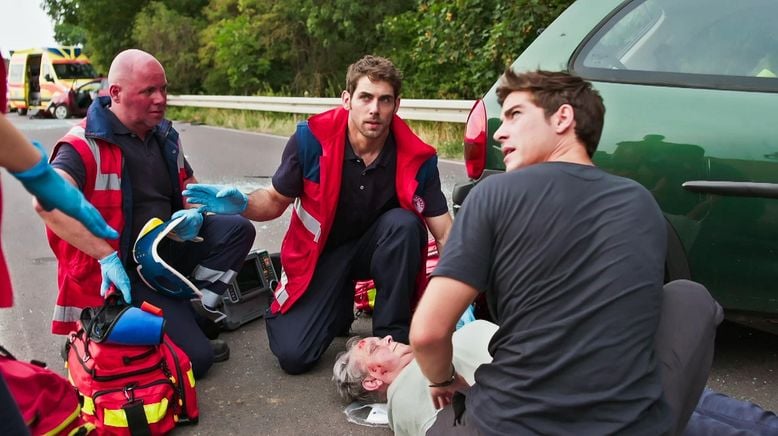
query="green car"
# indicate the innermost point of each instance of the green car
(691, 96)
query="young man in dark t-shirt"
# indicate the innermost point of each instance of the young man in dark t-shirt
(571, 260)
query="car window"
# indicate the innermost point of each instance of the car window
(75, 71)
(708, 43)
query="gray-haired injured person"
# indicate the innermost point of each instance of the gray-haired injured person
(377, 370)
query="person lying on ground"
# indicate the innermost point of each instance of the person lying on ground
(378, 370)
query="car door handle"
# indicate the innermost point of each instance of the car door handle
(735, 189)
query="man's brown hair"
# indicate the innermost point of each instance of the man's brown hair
(376, 69)
(550, 90)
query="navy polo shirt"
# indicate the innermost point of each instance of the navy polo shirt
(144, 165)
(366, 192)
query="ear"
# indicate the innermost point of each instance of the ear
(113, 91)
(371, 384)
(396, 104)
(563, 118)
(345, 98)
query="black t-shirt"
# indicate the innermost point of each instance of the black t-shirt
(573, 259)
(144, 165)
(366, 192)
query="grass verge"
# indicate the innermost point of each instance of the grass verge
(446, 137)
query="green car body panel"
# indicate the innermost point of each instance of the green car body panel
(665, 135)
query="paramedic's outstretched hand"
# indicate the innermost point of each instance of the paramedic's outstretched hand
(190, 226)
(225, 200)
(53, 192)
(114, 274)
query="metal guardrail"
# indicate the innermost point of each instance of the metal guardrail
(453, 111)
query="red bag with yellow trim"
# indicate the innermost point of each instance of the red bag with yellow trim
(47, 402)
(129, 389)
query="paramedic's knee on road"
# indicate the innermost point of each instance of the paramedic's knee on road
(390, 252)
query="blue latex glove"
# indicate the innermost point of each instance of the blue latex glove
(190, 226)
(114, 274)
(467, 317)
(53, 192)
(225, 200)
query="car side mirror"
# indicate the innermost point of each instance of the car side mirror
(48, 77)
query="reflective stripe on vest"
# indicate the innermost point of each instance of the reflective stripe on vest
(311, 224)
(67, 313)
(103, 182)
(280, 293)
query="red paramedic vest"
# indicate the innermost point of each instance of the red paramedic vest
(321, 151)
(78, 274)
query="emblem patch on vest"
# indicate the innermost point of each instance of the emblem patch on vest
(418, 203)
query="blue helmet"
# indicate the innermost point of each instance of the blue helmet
(153, 270)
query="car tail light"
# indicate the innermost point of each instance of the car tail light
(475, 140)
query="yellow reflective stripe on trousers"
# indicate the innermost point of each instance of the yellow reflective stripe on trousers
(154, 413)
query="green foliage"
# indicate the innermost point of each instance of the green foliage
(68, 34)
(168, 35)
(107, 24)
(338, 32)
(244, 48)
(457, 48)
(445, 48)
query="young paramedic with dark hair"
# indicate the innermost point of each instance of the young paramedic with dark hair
(571, 259)
(365, 190)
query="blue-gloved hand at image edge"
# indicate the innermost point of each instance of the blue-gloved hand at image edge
(113, 273)
(190, 226)
(53, 192)
(225, 200)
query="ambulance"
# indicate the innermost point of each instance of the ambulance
(56, 80)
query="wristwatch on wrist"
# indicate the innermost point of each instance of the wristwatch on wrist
(448, 382)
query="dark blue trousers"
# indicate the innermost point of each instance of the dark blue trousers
(389, 253)
(719, 415)
(227, 240)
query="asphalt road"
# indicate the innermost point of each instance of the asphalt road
(249, 394)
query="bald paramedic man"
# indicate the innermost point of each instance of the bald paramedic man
(363, 186)
(128, 161)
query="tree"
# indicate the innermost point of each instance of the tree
(107, 24)
(168, 35)
(457, 48)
